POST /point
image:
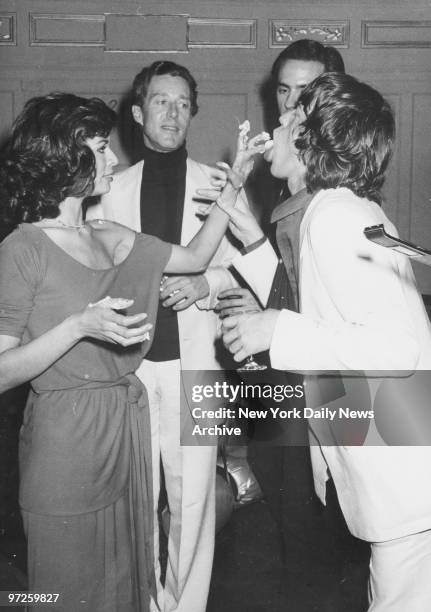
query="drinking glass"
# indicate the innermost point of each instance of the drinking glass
(250, 364)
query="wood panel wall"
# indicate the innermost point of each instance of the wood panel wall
(95, 47)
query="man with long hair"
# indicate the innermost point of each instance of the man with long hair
(359, 309)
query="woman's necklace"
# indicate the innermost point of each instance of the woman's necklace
(78, 227)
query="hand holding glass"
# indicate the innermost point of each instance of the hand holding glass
(242, 302)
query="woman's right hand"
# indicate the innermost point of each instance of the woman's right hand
(102, 322)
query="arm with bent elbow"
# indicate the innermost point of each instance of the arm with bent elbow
(355, 312)
(196, 256)
(20, 363)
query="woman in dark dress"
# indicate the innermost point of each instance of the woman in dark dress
(85, 456)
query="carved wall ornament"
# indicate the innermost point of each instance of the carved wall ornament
(284, 31)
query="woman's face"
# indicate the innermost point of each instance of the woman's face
(284, 158)
(105, 162)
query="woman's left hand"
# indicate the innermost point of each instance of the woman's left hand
(246, 149)
(242, 223)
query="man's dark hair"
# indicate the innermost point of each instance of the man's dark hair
(46, 158)
(347, 136)
(309, 50)
(142, 80)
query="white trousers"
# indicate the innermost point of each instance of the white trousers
(400, 574)
(190, 485)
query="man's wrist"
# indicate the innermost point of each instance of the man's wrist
(248, 248)
(204, 287)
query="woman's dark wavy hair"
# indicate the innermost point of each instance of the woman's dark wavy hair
(347, 137)
(46, 159)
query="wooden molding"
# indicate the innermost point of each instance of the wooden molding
(328, 32)
(222, 33)
(131, 33)
(8, 29)
(146, 33)
(55, 29)
(379, 33)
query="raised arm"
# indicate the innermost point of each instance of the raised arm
(200, 250)
(198, 253)
(380, 323)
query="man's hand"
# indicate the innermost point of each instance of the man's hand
(242, 223)
(217, 178)
(248, 334)
(180, 292)
(236, 301)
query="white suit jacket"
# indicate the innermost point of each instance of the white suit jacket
(360, 310)
(198, 326)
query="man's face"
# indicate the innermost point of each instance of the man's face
(293, 77)
(166, 114)
(284, 158)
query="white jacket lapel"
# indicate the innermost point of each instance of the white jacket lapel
(123, 203)
(196, 178)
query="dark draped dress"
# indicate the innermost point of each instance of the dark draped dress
(85, 455)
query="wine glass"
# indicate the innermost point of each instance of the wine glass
(250, 364)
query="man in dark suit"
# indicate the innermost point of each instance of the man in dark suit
(308, 532)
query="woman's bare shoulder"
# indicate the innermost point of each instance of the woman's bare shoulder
(117, 239)
(111, 227)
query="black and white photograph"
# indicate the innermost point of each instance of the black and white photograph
(215, 302)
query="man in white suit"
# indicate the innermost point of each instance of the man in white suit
(360, 309)
(156, 196)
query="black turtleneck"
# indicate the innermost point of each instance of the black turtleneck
(162, 204)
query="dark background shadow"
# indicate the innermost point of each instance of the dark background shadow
(263, 190)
